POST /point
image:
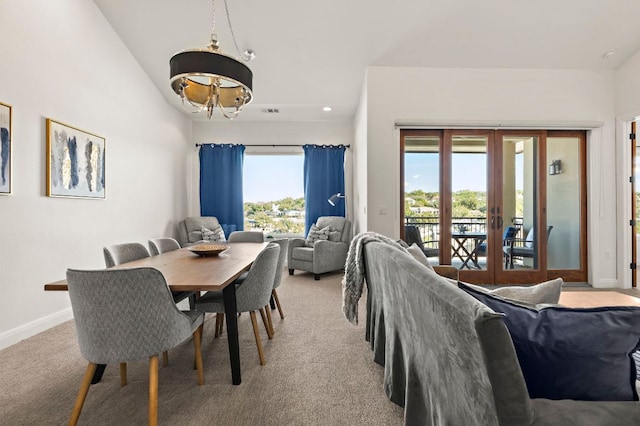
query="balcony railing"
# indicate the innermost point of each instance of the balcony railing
(430, 227)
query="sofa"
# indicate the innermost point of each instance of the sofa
(450, 360)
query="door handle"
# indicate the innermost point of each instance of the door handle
(500, 222)
(493, 222)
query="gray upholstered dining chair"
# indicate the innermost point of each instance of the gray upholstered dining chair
(128, 252)
(284, 245)
(116, 329)
(123, 253)
(246, 237)
(251, 296)
(162, 245)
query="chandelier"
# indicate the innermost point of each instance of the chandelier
(206, 79)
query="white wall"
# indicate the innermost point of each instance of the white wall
(360, 196)
(62, 60)
(270, 133)
(507, 95)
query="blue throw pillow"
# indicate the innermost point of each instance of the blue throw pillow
(566, 353)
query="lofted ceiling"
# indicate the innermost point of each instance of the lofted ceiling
(314, 54)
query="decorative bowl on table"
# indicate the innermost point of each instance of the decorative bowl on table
(206, 250)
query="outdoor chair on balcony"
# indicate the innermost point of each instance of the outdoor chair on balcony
(412, 236)
(508, 237)
(524, 251)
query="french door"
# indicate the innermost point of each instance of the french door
(480, 199)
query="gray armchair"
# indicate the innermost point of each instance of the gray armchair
(325, 255)
(126, 315)
(189, 229)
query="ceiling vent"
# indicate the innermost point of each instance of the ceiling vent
(271, 110)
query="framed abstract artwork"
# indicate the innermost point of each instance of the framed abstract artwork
(75, 162)
(5, 149)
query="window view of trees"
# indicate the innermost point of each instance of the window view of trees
(285, 216)
(273, 192)
(465, 203)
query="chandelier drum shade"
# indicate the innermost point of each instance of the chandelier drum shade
(206, 79)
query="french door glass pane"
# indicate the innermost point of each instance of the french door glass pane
(519, 204)
(563, 203)
(422, 190)
(469, 201)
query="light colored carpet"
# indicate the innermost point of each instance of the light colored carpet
(319, 371)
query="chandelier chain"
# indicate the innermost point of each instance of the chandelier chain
(233, 36)
(213, 17)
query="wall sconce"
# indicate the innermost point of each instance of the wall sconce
(332, 200)
(555, 168)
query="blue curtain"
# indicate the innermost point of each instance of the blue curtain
(323, 177)
(221, 185)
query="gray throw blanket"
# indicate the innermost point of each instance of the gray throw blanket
(353, 280)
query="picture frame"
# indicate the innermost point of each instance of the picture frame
(75, 162)
(6, 140)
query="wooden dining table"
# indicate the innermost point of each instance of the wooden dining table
(185, 271)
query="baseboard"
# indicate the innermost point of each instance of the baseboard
(32, 328)
(607, 283)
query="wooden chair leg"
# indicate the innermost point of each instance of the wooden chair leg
(256, 333)
(275, 297)
(153, 390)
(197, 341)
(216, 334)
(219, 325)
(82, 393)
(165, 358)
(267, 310)
(123, 374)
(266, 323)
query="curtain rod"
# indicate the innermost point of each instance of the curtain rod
(273, 146)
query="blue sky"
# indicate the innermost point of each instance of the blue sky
(469, 172)
(422, 170)
(273, 177)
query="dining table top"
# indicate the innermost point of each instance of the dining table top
(186, 271)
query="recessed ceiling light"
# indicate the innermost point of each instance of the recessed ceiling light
(327, 109)
(608, 54)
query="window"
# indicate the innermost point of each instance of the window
(274, 193)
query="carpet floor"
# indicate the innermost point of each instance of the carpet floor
(319, 371)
